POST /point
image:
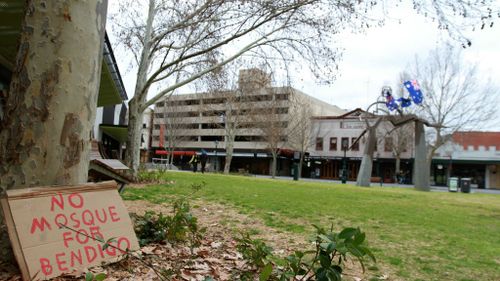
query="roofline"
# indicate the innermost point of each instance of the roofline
(476, 132)
(344, 116)
(109, 58)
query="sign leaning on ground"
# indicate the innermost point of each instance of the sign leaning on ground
(57, 230)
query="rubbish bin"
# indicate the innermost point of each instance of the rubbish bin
(453, 184)
(295, 171)
(465, 185)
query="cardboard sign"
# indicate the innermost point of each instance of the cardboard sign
(53, 230)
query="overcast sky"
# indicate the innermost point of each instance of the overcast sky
(375, 58)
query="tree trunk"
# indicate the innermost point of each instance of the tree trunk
(273, 165)
(398, 167)
(132, 155)
(136, 109)
(50, 108)
(301, 162)
(365, 170)
(421, 169)
(229, 155)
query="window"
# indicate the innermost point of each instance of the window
(388, 144)
(282, 97)
(345, 143)
(319, 144)
(355, 145)
(333, 144)
(404, 144)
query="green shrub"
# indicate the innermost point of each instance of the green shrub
(150, 227)
(182, 226)
(324, 263)
(145, 176)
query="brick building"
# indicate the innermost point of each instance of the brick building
(474, 155)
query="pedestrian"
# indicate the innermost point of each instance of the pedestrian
(194, 161)
(204, 158)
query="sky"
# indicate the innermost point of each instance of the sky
(376, 57)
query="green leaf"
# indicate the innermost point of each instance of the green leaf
(330, 247)
(100, 277)
(348, 232)
(333, 275)
(359, 238)
(341, 247)
(356, 251)
(368, 252)
(324, 260)
(89, 276)
(266, 272)
(324, 238)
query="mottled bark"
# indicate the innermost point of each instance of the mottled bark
(133, 152)
(421, 169)
(365, 169)
(136, 104)
(50, 108)
(51, 104)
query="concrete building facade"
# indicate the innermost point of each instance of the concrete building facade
(203, 120)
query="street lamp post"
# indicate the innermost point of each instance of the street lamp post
(378, 167)
(216, 144)
(344, 163)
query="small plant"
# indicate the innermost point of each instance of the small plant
(89, 276)
(181, 226)
(150, 227)
(325, 263)
(255, 251)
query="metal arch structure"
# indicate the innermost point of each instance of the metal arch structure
(421, 173)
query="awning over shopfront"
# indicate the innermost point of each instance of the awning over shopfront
(464, 161)
(176, 153)
(118, 132)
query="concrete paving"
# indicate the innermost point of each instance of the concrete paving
(384, 185)
(388, 185)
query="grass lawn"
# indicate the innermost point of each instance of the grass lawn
(418, 235)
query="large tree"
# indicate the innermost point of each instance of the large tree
(230, 115)
(455, 97)
(50, 106)
(196, 37)
(300, 134)
(51, 103)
